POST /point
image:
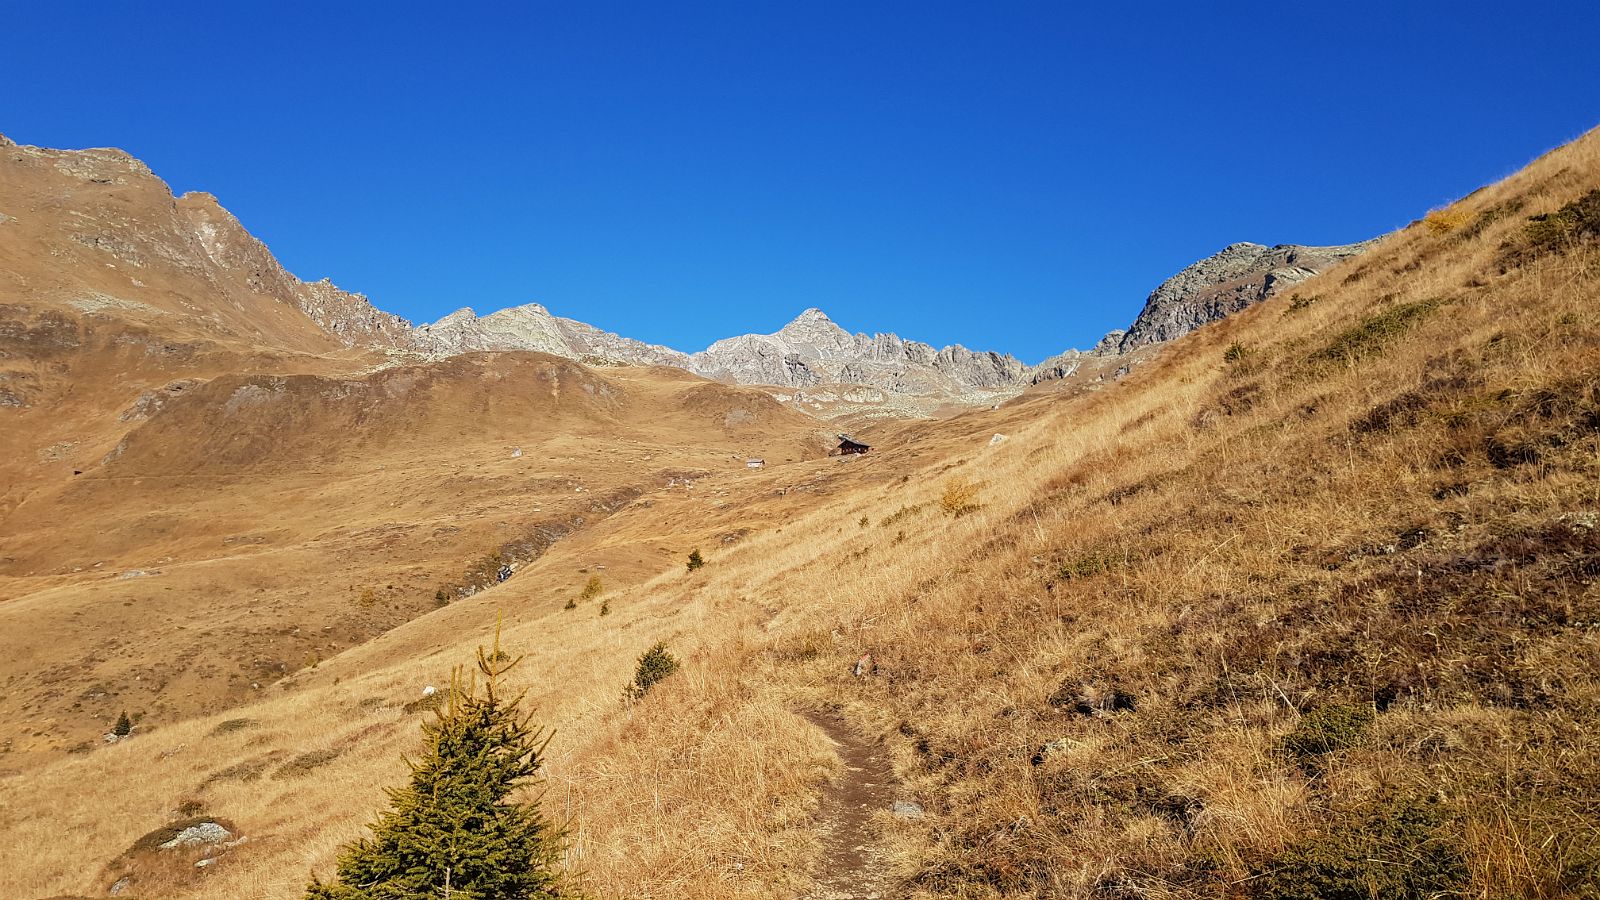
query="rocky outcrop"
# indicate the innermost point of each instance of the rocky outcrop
(1064, 365)
(351, 318)
(1223, 284)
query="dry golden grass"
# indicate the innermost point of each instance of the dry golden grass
(1388, 502)
(1447, 219)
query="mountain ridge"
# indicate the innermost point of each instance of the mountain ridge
(809, 352)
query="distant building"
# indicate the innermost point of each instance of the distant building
(847, 446)
(755, 464)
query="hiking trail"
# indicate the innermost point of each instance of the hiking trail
(855, 862)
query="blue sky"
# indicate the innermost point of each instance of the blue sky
(1011, 176)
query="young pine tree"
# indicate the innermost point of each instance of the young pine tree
(654, 665)
(695, 559)
(459, 830)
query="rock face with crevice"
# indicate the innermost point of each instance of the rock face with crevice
(1224, 283)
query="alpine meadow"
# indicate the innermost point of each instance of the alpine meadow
(1288, 589)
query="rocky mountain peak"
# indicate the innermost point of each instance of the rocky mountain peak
(812, 332)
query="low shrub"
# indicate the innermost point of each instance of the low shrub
(592, 588)
(901, 513)
(1298, 303)
(1490, 216)
(695, 559)
(228, 726)
(1327, 729)
(1447, 219)
(1398, 850)
(1088, 565)
(425, 703)
(306, 763)
(1555, 232)
(1371, 334)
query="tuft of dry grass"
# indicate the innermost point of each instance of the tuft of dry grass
(960, 497)
(1447, 219)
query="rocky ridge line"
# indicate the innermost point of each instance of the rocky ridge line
(197, 235)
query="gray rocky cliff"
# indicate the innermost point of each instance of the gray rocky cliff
(1222, 284)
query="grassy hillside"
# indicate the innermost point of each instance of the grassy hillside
(1303, 606)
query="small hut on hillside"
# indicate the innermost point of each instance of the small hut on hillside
(848, 446)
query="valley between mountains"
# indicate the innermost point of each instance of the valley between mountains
(1296, 573)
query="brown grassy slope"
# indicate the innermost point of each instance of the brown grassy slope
(256, 524)
(1328, 604)
(1382, 508)
(114, 294)
(1386, 501)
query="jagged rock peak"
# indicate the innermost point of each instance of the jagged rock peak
(813, 349)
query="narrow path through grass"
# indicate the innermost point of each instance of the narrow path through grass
(854, 860)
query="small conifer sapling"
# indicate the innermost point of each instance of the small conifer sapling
(654, 665)
(462, 828)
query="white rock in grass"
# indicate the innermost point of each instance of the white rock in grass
(195, 835)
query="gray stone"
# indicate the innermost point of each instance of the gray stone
(1051, 748)
(906, 809)
(198, 835)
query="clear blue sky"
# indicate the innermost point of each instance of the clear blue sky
(1011, 176)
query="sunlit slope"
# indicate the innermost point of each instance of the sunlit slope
(254, 525)
(1307, 599)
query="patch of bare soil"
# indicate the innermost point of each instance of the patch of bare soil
(854, 860)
